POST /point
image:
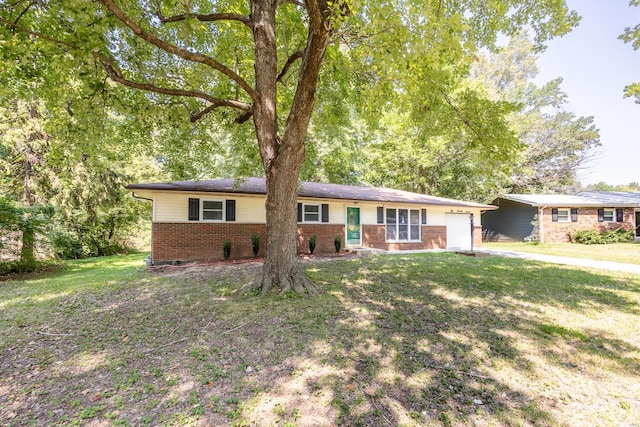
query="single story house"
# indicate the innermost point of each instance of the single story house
(552, 217)
(192, 219)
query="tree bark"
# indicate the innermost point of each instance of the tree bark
(282, 157)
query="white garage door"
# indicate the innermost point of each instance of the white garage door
(458, 231)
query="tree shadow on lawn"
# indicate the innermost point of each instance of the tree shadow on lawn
(403, 340)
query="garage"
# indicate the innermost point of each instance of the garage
(458, 231)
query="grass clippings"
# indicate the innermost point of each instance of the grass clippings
(426, 339)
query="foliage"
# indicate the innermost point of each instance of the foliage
(592, 237)
(337, 243)
(312, 244)
(226, 250)
(555, 143)
(255, 244)
(632, 35)
(603, 186)
(161, 66)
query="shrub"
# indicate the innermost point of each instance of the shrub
(226, 250)
(337, 242)
(312, 244)
(255, 244)
(592, 237)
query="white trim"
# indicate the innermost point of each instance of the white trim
(568, 218)
(304, 214)
(613, 215)
(223, 209)
(398, 224)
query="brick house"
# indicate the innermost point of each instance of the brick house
(551, 218)
(192, 219)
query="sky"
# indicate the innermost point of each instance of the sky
(596, 66)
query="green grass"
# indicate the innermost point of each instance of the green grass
(617, 252)
(426, 339)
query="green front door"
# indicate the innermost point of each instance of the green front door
(354, 233)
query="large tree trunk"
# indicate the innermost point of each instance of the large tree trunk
(282, 157)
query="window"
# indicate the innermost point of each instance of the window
(608, 215)
(311, 213)
(212, 210)
(402, 225)
(564, 215)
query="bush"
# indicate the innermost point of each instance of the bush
(337, 242)
(19, 267)
(226, 250)
(592, 237)
(255, 244)
(312, 244)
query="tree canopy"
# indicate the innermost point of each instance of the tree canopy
(165, 65)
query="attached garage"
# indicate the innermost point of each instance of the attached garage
(458, 231)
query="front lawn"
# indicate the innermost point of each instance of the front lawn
(426, 339)
(617, 252)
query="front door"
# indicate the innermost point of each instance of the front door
(354, 231)
(637, 224)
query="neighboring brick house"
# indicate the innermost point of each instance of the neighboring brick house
(192, 219)
(551, 218)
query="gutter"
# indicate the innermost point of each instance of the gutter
(149, 259)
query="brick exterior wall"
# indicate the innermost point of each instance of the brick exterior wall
(199, 241)
(557, 232)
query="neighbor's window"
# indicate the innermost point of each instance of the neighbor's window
(403, 224)
(212, 210)
(311, 213)
(564, 215)
(609, 215)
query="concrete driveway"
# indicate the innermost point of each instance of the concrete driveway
(600, 265)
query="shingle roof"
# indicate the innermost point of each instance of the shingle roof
(586, 198)
(308, 189)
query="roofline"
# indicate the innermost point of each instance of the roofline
(438, 201)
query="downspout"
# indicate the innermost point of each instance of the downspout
(152, 216)
(541, 223)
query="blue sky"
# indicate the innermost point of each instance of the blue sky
(596, 67)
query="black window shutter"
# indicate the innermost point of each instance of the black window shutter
(230, 214)
(325, 212)
(574, 214)
(423, 216)
(299, 212)
(554, 214)
(380, 215)
(194, 209)
(600, 215)
(619, 215)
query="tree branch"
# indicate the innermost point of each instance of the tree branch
(212, 17)
(293, 58)
(37, 34)
(175, 50)
(116, 76)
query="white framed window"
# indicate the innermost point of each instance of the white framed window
(609, 215)
(402, 225)
(212, 210)
(564, 215)
(310, 213)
